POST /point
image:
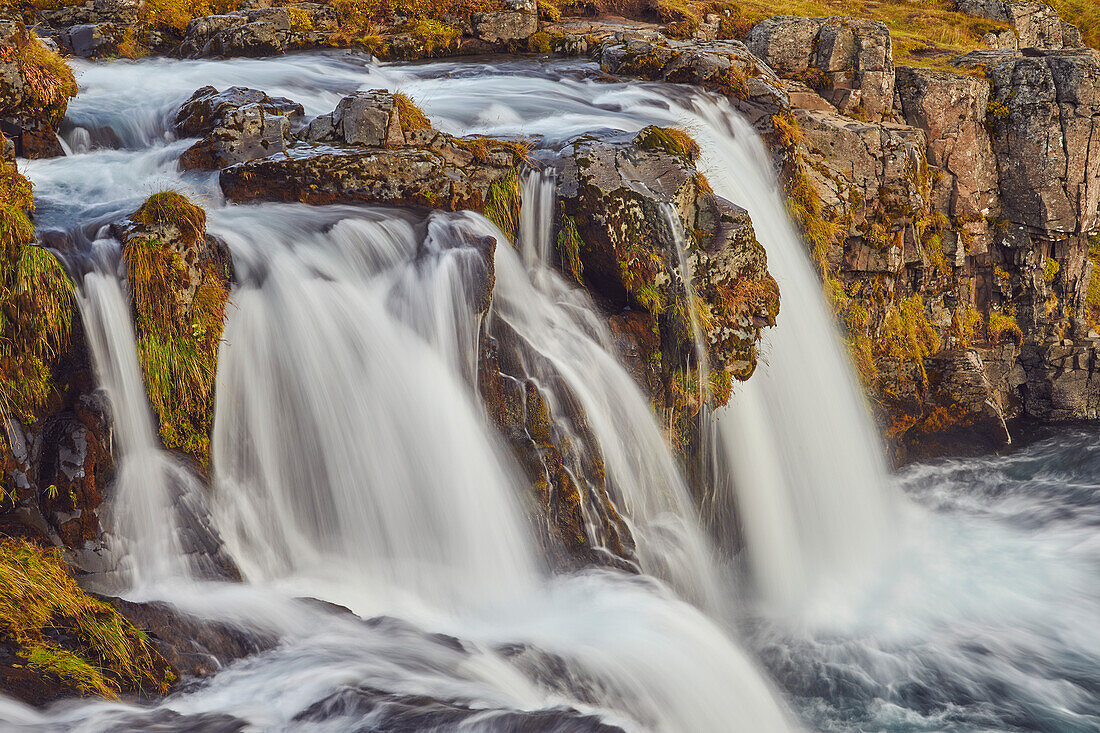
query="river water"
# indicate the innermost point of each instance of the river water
(352, 463)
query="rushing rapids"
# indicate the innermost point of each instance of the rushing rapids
(353, 464)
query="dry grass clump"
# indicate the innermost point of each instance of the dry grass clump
(412, 117)
(65, 633)
(49, 82)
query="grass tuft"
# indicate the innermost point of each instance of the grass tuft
(41, 604)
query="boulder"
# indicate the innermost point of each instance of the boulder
(238, 124)
(375, 147)
(961, 415)
(259, 31)
(951, 109)
(849, 62)
(1035, 24)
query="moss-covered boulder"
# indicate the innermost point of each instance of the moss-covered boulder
(676, 265)
(35, 88)
(179, 282)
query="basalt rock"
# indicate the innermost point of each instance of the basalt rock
(960, 415)
(1035, 24)
(259, 32)
(850, 62)
(726, 67)
(35, 87)
(237, 125)
(634, 215)
(197, 648)
(369, 150)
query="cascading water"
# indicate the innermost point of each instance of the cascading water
(354, 464)
(156, 511)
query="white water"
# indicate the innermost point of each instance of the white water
(151, 487)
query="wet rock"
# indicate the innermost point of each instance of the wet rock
(92, 40)
(726, 67)
(393, 711)
(961, 415)
(369, 119)
(557, 452)
(240, 134)
(848, 61)
(196, 647)
(372, 150)
(207, 107)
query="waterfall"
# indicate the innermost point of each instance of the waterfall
(811, 479)
(155, 509)
(346, 448)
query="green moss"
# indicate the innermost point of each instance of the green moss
(1050, 270)
(539, 43)
(668, 140)
(41, 603)
(907, 333)
(569, 246)
(433, 36)
(1092, 296)
(1003, 327)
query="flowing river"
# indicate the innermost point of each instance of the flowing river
(354, 464)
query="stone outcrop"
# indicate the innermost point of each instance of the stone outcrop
(236, 125)
(259, 32)
(376, 147)
(849, 62)
(633, 214)
(35, 87)
(1035, 24)
(179, 285)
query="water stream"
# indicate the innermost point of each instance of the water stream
(353, 463)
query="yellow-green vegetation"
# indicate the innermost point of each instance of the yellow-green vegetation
(569, 246)
(40, 604)
(49, 80)
(1003, 327)
(966, 323)
(1050, 270)
(36, 304)
(412, 117)
(1092, 297)
(177, 339)
(907, 333)
(668, 140)
(361, 21)
(1085, 14)
(502, 204)
(540, 43)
